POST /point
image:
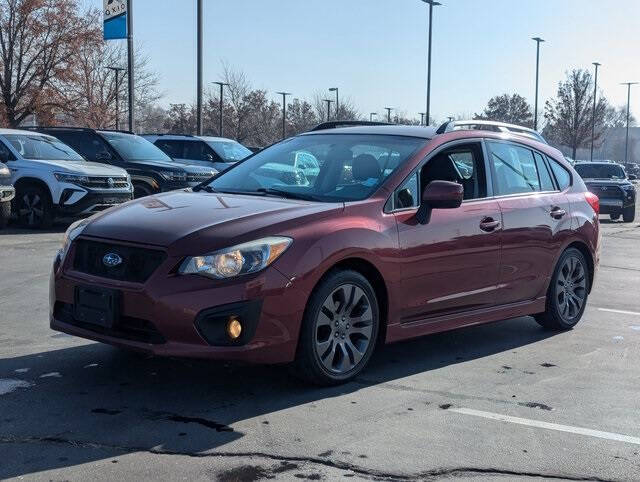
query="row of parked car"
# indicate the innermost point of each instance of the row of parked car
(49, 172)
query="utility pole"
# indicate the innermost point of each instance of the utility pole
(593, 117)
(371, 116)
(117, 71)
(284, 112)
(335, 89)
(130, 69)
(328, 101)
(199, 69)
(538, 40)
(389, 109)
(432, 4)
(626, 142)
(221, 84)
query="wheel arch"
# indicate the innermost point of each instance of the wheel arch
(584, 249)
(24, 182)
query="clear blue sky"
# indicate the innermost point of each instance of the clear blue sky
(375, 50)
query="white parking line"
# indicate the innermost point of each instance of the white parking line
(623, 312)
(550, 426)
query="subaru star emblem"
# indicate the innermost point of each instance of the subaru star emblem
(111, 259)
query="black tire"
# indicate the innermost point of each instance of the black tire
(614, 217)
(568, 292)
(141, 189)
(33, 207)
(5, 213)
(629, 214)
(348, 346)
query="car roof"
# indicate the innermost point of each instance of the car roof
(20, 131)
(388, 130)
(186, 137)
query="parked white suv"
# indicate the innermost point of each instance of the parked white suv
(51, 179)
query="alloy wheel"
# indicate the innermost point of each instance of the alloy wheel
(31, 209)
(344, 328)
(571, 288)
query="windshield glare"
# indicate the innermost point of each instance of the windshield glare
(322, 167)
(134, 148)
(42, 148)
(229, 151)
(600, 171)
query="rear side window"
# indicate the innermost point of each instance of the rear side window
(562, 175)
(515, 169)
(546, 184)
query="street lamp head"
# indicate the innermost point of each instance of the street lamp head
(120, 69)
(537, 39)
(597, 64)
(284, 93)
(629, 83)
(433, 3)
(220, 83)
(333, 89)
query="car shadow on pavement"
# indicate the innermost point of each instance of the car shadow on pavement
(94, 402)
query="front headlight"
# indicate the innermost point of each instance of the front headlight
(72, 233)
(173, 176)
(238, 260)
(71, 178)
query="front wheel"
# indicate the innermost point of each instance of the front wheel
(629, 214)
(339, 329)
(567, 293)
(33, 208)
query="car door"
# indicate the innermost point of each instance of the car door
(450, 264)
(536, 219)
(198, 153)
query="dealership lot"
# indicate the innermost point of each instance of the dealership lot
(507, 400)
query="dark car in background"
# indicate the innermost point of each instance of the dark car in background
(612, 185)
(219, 153)
(151, 170)
(402, 232)
(7, 193)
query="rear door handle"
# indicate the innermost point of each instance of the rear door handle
(557, 213)
(489, 224)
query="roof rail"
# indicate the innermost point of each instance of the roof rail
(37, 128)
(483, 125)
(347, 123)
(166, 134)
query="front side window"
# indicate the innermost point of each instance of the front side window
(197, 151)
(42, 147)
(134, 148)
(322, 167)
(229, 151)
(172, 149)
(6, 152)
(406, 196)
(515, 169)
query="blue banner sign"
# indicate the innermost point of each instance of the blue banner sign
(115, 19)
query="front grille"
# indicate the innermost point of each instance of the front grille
(106, 182)
(608, 192)
(127, 327)
(137, 265)
(199, 177)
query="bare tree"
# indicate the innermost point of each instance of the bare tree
(38, 39)
(300, 116)
(513, 109)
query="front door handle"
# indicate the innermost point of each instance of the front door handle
(557, 212)
(489, 224)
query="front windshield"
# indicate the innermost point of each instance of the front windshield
(42, 148)
(320, 167)
(600, 171)
(134, 148)
(229, 151)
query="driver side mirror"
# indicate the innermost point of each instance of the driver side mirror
(439, 195)
(632, 177)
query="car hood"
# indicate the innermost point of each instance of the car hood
(187, 221)
(86, 168)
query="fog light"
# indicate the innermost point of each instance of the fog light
(234, 328)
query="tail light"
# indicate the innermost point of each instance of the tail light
(593, 201)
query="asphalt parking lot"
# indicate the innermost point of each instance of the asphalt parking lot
(501, 401)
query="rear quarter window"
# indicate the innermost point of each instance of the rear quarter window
(561, 174)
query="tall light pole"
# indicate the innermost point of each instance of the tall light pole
(422, 118)
(199, 69)
(284, 112)
(221, 84)
(432, 3)
(328, 101)
(538, 40)
(593, 116)
(389, 109)
(626, 142)
(117, 71)
(335, 89)
(130, 67)
(371, 114)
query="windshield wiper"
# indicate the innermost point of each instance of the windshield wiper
(206, 188)
(286, 194)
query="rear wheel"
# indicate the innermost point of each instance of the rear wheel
(568, 292)
(339, 329)
(5, 213)
(33, 208)
(629, 214)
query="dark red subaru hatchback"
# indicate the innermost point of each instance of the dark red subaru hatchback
(316, 249)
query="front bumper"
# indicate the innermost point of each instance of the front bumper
(615, 205)
(93, 202)
(164, 315)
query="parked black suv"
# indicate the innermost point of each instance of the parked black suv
(611, 184)
(151, 170)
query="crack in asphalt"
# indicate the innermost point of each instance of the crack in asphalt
(335, 464)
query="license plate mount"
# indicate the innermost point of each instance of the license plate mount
(96, 306)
